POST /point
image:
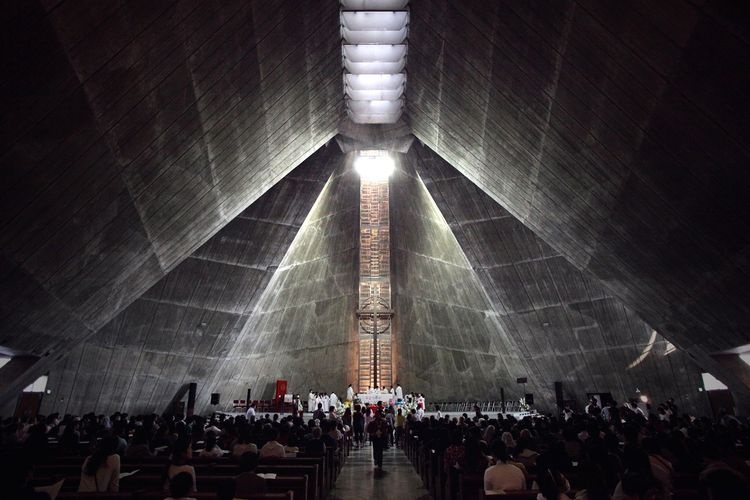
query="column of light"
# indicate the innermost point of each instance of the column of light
(373, 50)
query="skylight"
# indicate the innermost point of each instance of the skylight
(373, 51)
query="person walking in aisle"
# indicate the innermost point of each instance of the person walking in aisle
(378, 432)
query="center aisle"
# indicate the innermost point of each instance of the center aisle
(359, 480)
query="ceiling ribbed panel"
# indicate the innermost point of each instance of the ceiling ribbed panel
(373, 51)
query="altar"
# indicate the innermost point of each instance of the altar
(372, 398)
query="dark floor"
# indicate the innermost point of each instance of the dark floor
(359, 480)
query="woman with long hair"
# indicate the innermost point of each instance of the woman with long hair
(182, 452)
(101, 471)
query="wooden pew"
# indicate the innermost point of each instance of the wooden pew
(138, 483)
(158, 495)
(509, 495)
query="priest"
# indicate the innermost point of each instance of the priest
(311, 401)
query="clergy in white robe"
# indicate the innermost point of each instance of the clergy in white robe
(311, 402)
(326, 400)
(349, 393)
(334, 399)
(399, 392)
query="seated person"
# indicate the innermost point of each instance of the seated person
(180, 486)
(101, 471)
(243, 445)
(139, 447)
(502, 476)
(182, 452)
(212, 449)
(248, 482)
(272, 448)
(315, 447)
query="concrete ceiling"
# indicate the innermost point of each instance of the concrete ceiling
(613, 130)
(184, 327)
(132, 133)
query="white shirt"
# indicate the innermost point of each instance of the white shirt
(502, 477)
(350, 394)
(241, 448)
(216, 452)
(272, 449)
(250, 413)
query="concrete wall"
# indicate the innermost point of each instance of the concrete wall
(184, 327)
(304, 327)
(567, 326)
(448, 340)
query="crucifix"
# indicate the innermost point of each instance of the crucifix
(375, 319)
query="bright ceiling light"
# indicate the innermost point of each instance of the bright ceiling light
(374, 165)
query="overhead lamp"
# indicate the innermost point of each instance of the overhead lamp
(374, 165)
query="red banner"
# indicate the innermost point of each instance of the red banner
(280, 389)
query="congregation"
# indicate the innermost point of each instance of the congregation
(617, 454)
(185, 453)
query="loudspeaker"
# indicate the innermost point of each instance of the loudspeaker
(529, 399)
(521, 380)
(559, 395)
(215, 398)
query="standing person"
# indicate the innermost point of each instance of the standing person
(368, 416)
(377, 430)
(350, 393)
(311, 401)
(390, 419)
(333, 400)
(358, 424)
(250, 414)
(400, 422)
(399, 392)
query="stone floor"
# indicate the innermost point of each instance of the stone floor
(359, 480)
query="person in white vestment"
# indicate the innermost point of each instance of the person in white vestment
(334, 399)
(311, 401)
(326, 400)
(399, 392)
(350, 393)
